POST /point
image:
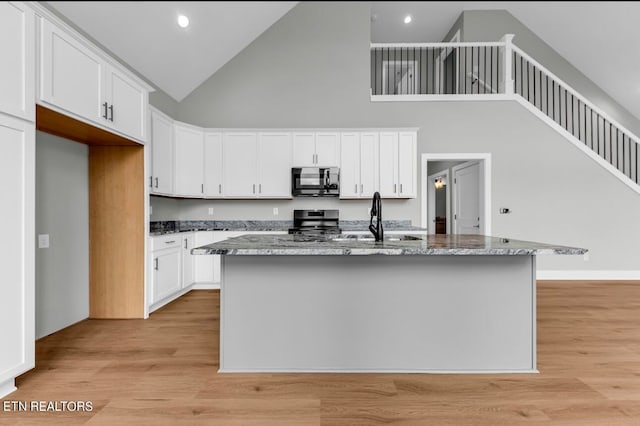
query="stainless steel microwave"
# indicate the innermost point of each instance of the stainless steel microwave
(315, 181)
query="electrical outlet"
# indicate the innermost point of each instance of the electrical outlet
(150, 210)
(210, 211)
(275, 211)
(43, 241)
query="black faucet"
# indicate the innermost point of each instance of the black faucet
(376, 210)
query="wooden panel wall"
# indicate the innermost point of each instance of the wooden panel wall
(116, 231)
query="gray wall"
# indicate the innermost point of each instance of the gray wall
(62, 211)
(491, 25)
(300, 74)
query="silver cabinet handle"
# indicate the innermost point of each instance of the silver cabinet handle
(356, 189)
(150, 181)
(156, 182)
(111, 109)
(395, 188)
(254, 188)
(185, 243)
(401, 189)
(105, 110)
(219, 188)
(361, 188)
(202, 188)
(170, 242)
(155, 266)
(260, 188)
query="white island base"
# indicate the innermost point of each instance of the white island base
(423, 314)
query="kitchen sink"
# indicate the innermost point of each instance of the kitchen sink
(370, 238)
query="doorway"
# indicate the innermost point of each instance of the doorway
(462, 183)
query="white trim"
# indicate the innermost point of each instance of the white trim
(454, 170)
(588, 275)
(205, 286)
(486, 157)
(384, 371)
(581, 146)
(431, 190)
(440, 44)
(7, 387)
(576, 94)
(425, 98)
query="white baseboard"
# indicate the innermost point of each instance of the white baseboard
(7, 387)
(588, 275)
(205, 286)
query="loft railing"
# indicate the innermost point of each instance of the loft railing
(423, 69)
(501, 70)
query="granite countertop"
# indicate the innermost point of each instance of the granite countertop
(342, 245)
(177, 226)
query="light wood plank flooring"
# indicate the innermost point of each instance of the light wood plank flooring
(163, 371)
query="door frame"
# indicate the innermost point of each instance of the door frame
(485, 162)
(431, 198)
(454, 170)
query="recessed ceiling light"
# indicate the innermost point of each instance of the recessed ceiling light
(183, 21)
(407, 19)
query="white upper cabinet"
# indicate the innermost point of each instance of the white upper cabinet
(240, 157)
(213, 164)
(328, 149)
(359, 164)
(77, 80)
(350, 165)
(161, 154)
(189, 162)
(389, 164)
(398, 164)
(317, 149)
(17, 50)
(71, 75)
(304, 149)
(274, 170)
(127, 104)
(407, 164)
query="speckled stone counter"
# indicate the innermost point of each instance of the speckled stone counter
(343, 245)
(174, 226)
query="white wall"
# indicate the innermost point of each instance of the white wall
(62, 211)
(311, 69)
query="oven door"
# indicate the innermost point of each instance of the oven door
(315, 181)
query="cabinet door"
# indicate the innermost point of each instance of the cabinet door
(188, 261)
(213, 165)
(127, 107)
(17, 251)
(274, 174)
(407, 159)
(161, 154)
(71, 75)
(189, 162)
(350, 165)
(304, 150)
(204, 265)
(327, 149)
(17, 50)
(166, 273)
(240, 155)
(369, 165)
(389, 164)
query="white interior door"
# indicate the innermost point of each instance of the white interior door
(466, 179)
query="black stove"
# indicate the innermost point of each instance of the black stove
(315, 222)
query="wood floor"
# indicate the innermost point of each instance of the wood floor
(163, 371)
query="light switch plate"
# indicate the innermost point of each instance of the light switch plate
(210, 211)
(43, 241)
(275, 211)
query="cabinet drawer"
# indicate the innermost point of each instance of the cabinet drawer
(167, 241)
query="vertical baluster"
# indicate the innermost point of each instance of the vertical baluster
(611, 141)
(540, 85)
(566, 110)
(534, 86)
(624, 155)
(457, 70)
(553, 99)
(579, 122)
(598, 131)
(493, 86)
(484, 74)
(584, 106)
(546, 93)
(591, 126)
(420, 70)
(433, 71)
(636, 145)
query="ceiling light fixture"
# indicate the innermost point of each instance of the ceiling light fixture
(439, 182)
(183, 21)
(407, 19)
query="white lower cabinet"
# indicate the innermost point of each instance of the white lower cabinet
(188, 260)
(166, 273)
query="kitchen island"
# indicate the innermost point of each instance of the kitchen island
(437, 303)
